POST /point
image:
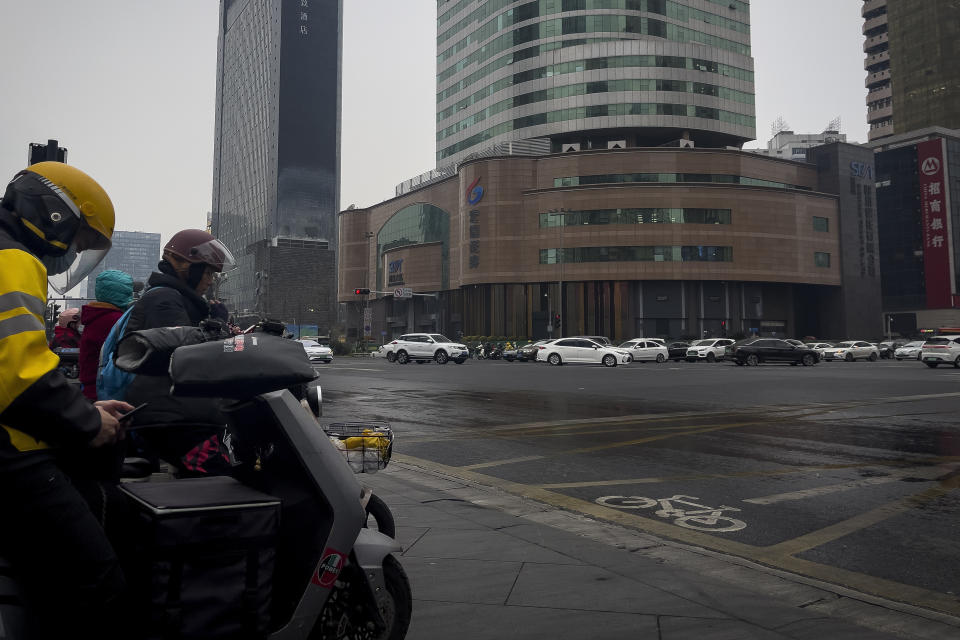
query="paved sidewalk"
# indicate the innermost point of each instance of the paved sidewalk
(484, 564)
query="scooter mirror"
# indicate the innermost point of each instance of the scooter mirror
(315, 400)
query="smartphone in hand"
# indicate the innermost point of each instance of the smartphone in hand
(125, 418)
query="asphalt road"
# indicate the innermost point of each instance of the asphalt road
(845, 472)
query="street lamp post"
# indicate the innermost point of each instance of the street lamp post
(368, 235)
(562, 213)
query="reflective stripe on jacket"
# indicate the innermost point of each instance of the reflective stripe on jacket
(38, 407)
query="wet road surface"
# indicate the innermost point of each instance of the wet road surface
(845, 472)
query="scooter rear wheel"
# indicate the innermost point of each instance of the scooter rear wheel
(339, 620)
(378, 510)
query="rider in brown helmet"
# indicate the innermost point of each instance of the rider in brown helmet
(174, 298)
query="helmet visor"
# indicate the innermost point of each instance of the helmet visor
(67, 271)
(213, 253)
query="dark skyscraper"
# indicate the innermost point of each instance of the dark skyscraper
(135, 252)
(912, 81)
(277, 155)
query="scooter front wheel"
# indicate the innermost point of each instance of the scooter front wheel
(379, 512)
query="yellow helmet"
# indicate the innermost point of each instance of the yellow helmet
(67, 216)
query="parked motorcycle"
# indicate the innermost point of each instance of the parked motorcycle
(317, 572)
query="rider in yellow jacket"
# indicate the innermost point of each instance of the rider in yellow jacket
(56, 222)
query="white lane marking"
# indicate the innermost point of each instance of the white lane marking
(927, 473)
(355, 369)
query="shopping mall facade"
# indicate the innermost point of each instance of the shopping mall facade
(590, 181)
(656, 242)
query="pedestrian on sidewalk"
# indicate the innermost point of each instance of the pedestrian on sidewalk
(114, 293)
(66, 335)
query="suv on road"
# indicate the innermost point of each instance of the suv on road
(422, 347)
(941, 350)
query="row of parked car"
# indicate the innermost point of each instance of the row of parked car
(424, 347)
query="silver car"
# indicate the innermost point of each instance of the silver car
(852, 350)
(317, 352)
(909, 351)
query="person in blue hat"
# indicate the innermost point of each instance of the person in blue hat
(114, 292)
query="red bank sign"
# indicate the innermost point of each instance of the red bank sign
(935, 215)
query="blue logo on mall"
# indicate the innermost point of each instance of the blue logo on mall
(474, 192)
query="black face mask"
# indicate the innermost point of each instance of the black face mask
(195, 274)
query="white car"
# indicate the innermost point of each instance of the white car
(909, 351)
(581, 350)
(852, 350)
(423, 347)
(819, 347)
(710, 350)
(316, 351)
(642, 349)
(941, 350)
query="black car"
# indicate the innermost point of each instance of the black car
(529, 351)
(887, 349)
(678, 350)
(754, 351)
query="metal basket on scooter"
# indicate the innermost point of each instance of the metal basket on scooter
(367, 446)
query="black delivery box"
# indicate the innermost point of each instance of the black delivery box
(204, 557)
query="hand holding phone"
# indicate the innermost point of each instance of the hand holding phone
(125, 418)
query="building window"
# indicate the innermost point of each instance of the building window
(721, 178)
(697, 253)
(821, 259)
(662, 215)
(821, 224)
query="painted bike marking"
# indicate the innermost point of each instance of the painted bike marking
(700, 517)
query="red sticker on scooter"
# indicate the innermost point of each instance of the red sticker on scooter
(329, 568)
(238, 343)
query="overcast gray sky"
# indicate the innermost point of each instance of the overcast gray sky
(128, 87)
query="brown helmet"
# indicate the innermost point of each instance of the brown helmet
(199, 247)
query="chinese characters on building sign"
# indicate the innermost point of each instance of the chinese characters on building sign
(474, 195)
(935, 219)
(474, 230)
(304, 17)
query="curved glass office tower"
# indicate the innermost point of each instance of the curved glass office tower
(559, 75)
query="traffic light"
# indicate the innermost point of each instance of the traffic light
(556, 320)
(361, 292)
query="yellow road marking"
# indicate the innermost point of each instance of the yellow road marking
(609, 445)
(863, 520)
(749, 474)
(926, 473)
(776, 556)
(497, 463)
(705, 476)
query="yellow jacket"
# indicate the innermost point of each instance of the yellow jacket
(39, 409)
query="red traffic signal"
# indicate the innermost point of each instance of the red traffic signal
(361, 292)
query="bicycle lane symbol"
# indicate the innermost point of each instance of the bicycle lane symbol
(694, 516)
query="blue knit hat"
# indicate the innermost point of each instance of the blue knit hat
(115, 287)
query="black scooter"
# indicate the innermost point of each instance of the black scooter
(334, 578)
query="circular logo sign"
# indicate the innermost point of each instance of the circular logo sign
(474, 192)
(930, 166)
